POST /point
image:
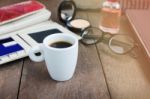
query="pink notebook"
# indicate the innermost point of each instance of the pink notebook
(140, 21)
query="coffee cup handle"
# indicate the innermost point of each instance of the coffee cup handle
(33, 56)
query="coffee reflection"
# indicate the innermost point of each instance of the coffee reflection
(60, 44)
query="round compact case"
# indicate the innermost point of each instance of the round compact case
(66, 14)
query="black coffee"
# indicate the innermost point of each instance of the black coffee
(60, 44)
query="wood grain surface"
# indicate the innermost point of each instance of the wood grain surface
(100, 73)
(88, 81)
(10, 74)
(127, 77)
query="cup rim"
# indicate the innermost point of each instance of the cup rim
(60, 34)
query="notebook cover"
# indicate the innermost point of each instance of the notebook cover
(140, 21)
(16, 11)
(27, 21)
(8, 46)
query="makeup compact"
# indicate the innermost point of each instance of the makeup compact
(66, 14)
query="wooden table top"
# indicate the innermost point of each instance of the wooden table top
(100, 74)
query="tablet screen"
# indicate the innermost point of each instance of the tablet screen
(39, 36)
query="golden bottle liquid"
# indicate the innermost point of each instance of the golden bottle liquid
(110, 17)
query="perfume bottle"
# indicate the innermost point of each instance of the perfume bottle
(110, 17)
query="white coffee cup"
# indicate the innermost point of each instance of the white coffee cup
(61, 62)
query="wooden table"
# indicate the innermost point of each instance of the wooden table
(100, 74)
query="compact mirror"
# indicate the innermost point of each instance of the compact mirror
(66, 11)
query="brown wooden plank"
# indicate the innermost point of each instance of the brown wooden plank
(87, 83)
(10, 73)
(127, 77)
(9, 79)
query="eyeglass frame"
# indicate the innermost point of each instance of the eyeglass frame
(109, 39)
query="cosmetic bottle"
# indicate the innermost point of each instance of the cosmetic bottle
(110, 16)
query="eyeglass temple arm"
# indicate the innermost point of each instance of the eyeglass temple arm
(115, 42)
(92, 37)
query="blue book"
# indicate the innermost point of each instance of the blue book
(8, 46)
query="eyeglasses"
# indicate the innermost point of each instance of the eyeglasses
(118, 43)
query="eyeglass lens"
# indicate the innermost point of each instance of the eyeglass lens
(91, 36)
(121, 44)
